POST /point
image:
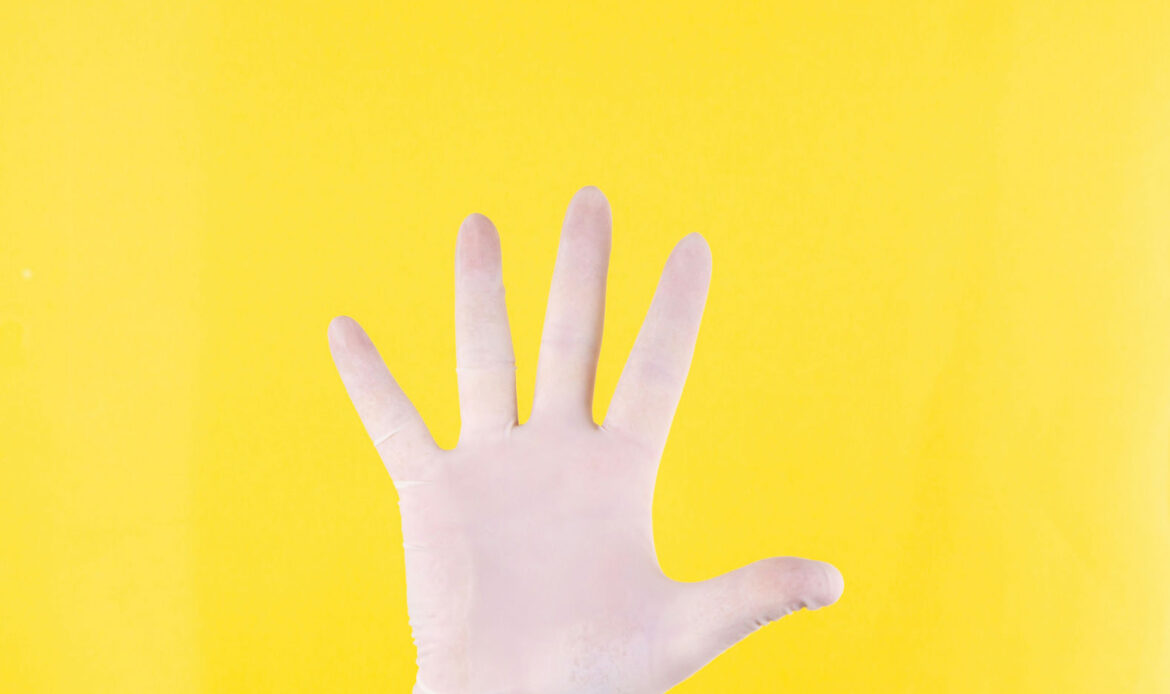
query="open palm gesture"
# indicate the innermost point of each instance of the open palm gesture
(530, 563)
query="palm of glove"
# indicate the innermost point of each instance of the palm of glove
(529, 552)
(541, 576)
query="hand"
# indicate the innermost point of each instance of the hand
(529, 553)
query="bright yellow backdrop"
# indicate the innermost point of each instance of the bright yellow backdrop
(936, 350)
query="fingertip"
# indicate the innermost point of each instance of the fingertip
(590, 194)
(798, 582)
(833, 586)
(477, 243)
(591, 200)
(695, 243)
(341, 336)
(586, 234)
(476, 227)
(476, 219)
(338, 327)
(694, 254)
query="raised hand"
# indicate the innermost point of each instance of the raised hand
(529, 553)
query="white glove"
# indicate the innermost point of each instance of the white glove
(530, 562)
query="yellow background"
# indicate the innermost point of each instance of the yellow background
(936, 350)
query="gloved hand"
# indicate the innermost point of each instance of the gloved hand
(530, 562)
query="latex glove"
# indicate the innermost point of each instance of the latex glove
(529, 553)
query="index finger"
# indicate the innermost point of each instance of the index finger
(651, 383)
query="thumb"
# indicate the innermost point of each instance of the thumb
(721, 611)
